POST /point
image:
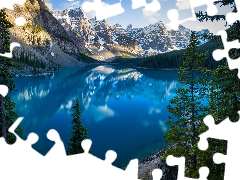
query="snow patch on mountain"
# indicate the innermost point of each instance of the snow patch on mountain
(104, 41)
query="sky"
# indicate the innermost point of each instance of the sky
(141, 17)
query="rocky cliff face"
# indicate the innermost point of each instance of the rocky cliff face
(59, 37)
(104, 41)
(152, 39)
(42, 35)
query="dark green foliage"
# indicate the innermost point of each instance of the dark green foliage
(233, 31)
(223, 102)
(125, 60)
(7, 113)
(84, 57)
(204, 16)
(187, 109)
(35, 28)
(4, 32)
(224, 97)
(79, 132)
(25, 58)
(174, 59)
(224, 91)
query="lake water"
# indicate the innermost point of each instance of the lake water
(123, 108)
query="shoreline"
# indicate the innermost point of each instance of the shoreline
(146, 164)
(153, 161)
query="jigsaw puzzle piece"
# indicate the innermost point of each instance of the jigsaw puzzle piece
(12, 45)
(58, 149)
(21, 146)
(157, 174)
(132, 169)
(94, 163)
(232, 17)
(180, 162)
(20, 21)
(102, 11)
(9, 4)
(173, 14)
(224, 53)
(211, 8)
(153, 6)
(3, 90)
(203, 143)
(231, 164)
(21, 153)
(217, 132)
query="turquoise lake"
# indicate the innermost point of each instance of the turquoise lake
(123, 108)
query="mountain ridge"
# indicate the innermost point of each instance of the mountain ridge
(69, 38)
(115, 41)
(42, 37)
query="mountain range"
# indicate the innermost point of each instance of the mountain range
(104, 41)
(68, 37)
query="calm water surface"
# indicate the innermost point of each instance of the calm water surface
(124, 109)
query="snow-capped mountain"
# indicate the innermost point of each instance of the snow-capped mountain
(107, 42)
(101, 40)
(152, 39)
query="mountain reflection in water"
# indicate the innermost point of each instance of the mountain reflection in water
(123, 108)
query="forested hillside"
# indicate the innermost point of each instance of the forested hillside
(173, 60)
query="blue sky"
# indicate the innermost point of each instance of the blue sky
(140, 17)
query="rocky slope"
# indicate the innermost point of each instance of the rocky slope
(43, 36)
(102, 41)
(105, 42)
(59, 38)
(152, 39)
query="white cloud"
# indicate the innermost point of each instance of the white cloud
(49, 4)
(92, 14)
(183, 4)
(154, 110)
(98, 113)
(172, 86)
(158, 111)
(150, 15)
(103, 112)
(162, 126)
(151, 110)
(69, 104)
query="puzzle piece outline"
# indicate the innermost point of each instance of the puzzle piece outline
(173, 14)
(22, 149)
(20, 21)
(103, 12)
(32, 140)
(219, 54)
(180, 162)
(153, 6)
(216, 132)
(232, 17)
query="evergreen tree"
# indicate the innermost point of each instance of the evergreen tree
(224, 88)
(4, 32)
(79, 132)
(7, 113)
(187, 108)
(224, 97)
